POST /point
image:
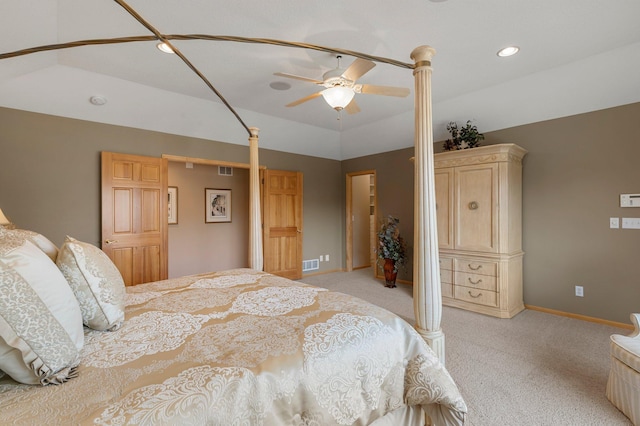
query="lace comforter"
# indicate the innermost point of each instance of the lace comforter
(242, 347)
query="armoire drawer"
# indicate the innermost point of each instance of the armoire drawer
(479, 296)
(476, 267)
(485, 282)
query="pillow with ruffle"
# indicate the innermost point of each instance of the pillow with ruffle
(41, 333)
(96, 283)
(42, 242)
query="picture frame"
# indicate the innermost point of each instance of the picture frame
(217, 205)
(172, 204)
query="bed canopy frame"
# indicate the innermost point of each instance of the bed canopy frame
(427, 297)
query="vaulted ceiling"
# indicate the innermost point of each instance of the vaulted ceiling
(575, 56)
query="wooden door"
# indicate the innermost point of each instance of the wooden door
(282, 222)
(134, 216)
(477, 207)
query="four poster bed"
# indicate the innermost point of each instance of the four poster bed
(229, 347)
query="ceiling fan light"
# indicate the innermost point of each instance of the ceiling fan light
(338, 97)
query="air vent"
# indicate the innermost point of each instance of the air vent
(310, 265)
(225, 171)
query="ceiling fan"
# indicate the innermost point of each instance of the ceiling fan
(340, 86)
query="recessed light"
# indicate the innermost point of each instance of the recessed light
(280, 85)
(508, 51)
(164, 47)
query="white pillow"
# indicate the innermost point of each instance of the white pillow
(41, 331)
(42, 242)
(95, 281)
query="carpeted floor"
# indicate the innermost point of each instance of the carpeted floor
(533, 369)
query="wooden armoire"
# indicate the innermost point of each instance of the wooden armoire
(479, 214)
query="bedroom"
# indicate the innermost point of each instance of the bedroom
(564, 146)
(65, 180)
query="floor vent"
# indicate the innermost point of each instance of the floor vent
(225, 171)
(310, 265)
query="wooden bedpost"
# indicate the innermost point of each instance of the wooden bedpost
(256, 260)
(427, 294)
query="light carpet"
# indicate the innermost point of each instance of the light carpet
(533, 369)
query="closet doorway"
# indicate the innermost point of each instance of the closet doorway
(361, 222)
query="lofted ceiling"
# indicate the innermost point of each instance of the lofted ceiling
(576, 56)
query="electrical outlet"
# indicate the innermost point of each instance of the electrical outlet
(579, 291)
(321, 259)
(326, 257)
(614, 222)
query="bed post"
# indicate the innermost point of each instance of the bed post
(255, 220)
(427, 294)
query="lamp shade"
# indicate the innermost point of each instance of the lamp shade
(3, 219)
(338, 97)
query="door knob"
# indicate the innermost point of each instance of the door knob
(110, 241)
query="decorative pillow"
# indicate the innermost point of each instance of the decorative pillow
(95, 281)
(42, 242)
(41, 331)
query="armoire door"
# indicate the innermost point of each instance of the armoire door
(134, 216)
(476, 213)
(444, 206)
(282, 221)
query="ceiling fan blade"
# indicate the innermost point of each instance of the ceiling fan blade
(358, 68)
(305, 99)
(370, 89)
(352, 107)
(297, 77)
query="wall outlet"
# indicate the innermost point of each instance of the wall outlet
(614, 222)
(321, 259)
(326, 257)
(579, 291)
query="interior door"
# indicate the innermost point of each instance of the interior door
(282, 222)
(134, 216)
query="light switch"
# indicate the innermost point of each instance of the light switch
(629, 200)
(631, 223)
(614, 222)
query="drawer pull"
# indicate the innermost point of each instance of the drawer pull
(473, 205)
(476, 268)
(475, 297)
(475, 283)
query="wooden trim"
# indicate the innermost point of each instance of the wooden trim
(580, 317)
(313, 274)
(349, 213)
(194, 160)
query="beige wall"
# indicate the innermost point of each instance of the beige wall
(394, 186)
(50, 179)
(196, 246)
(573, 175)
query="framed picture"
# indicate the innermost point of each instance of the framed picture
(217, 205)
(173, 205)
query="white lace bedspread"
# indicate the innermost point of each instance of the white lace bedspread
(242, 347)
